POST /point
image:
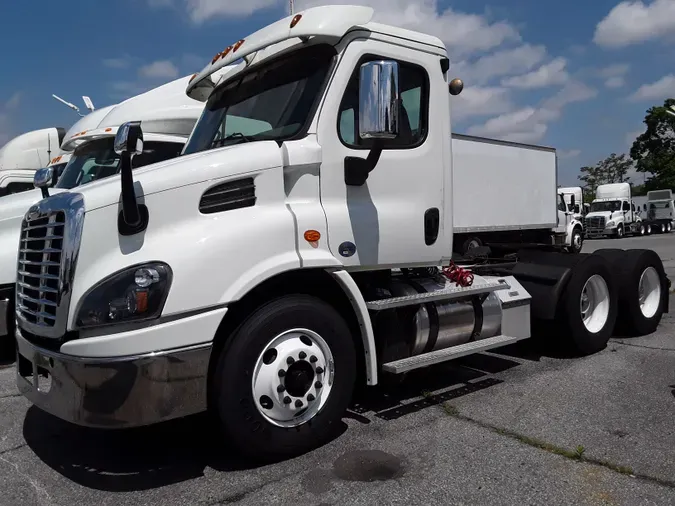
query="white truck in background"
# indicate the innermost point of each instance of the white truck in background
(574, 200)
(487, 174)
(659, 211)
(261, 274)
(166, 112)
(24, 154)
(613, 213)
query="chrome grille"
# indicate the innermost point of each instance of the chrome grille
(595, 223)
(40, 252)
(48, 246)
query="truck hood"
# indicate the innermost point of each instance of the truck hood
(604, 214)
(12, 210)
(216, 164)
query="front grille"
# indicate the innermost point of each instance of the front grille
(39, 269)
(48, 250)
(595, 223)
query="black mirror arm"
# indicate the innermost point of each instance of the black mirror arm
(357, 169)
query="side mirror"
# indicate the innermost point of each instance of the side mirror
(129, 139)
(379, 100)
(572, 201)
(129, 142)
(44, 179)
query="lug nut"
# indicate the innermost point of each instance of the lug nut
(298, 403)
(290, 360)
(281, 389)
(311, 398)
(313, 359)
(287, 400)
(319, 370)
(318, 385)
(282, 373)
(302, 355)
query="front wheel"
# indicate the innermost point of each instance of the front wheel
(285, 378)
(619, 232)
(577, 241)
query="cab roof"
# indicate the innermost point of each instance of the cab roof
(330, 21)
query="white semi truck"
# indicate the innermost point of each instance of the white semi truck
(660, 211)
(261, 274)
(168, 115)
(613, 213)
(24, 154)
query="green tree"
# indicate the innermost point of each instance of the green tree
(654, 150)
(613, 169)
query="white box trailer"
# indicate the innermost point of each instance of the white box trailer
(503, 192)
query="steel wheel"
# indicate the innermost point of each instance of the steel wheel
(293, 378)
(594, 304)
(649, 292)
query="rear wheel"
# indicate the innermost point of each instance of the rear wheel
(642, 230)
(471, 243)
(669, 227)
(663, 228)
(643, 289)
(285, 378)
(649, 230)
(588, 307)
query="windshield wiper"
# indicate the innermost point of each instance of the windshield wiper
(236, 135)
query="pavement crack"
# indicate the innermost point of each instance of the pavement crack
(248, 492)
(578, 454)
(9, 396)
(643, 346)
(14, 448)
(43, 496)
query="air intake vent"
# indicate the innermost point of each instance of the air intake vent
(228, 196)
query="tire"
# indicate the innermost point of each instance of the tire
(8, 342)
(649, 230)
(587, 309)
(619, 232)
(471, 243)
(669, 228)
(642, 230)
(240, 411)
(638, 315)
(577, 241)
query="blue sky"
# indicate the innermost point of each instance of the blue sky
(577, 75)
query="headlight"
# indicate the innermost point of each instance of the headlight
(610, 223)
(134, 294)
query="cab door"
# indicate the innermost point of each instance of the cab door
(396, 217)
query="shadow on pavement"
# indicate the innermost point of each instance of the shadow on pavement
(132, 459)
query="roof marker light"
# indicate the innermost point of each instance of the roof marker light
(296, 19)
(237, 45)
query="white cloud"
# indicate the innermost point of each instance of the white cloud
(117, 63)
(480, 101)
(615, 82)
(162, 69)
(500, 63)
(13, 101)
(566, 154)
(550, 74)
(614, 70)
(6, 130)
(632, 22)
(659, 90)
(530, 124)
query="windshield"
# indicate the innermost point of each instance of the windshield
(611, 205)
(273, 102)
(58, 168)
(97, 160)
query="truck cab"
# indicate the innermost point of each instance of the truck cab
(24, 154)
(613, 213)
(570, 223)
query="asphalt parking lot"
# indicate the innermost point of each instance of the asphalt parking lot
(519, 426)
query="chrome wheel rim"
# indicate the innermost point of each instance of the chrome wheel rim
(594, 303)
(293, 377)
(649, 292)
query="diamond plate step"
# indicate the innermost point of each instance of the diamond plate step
(436, 357)
(453, 292)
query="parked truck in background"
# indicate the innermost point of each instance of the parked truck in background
(659, 211)
(261, 274)
(485, 173)
(574, 200)
(613, 213)
(168, 115)
(24, 154)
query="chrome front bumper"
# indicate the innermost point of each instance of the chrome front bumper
(114, 393)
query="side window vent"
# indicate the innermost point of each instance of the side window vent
(228, 196)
